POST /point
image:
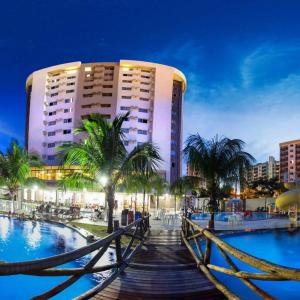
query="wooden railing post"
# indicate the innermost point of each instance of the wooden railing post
(118, 243)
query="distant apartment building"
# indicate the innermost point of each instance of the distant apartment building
(59, 97)
(290, 161)
(191, 172)
(264, 171)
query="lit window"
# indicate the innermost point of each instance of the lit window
(87, 69)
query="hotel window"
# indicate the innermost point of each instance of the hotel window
(51, 133)
(54, 94)
(51, 157)
(144, 99)
(125, 130)
(67, 131)
(88, 95)
(51, 145)
(126, 97)
(54, 87)
(146, 71)
(143, 110)
(107, 86)
(143, 121)
(142, 131)
(69, 100)
(145, 91)
(67, 110)
(51, 123)
(86, 106)
(55, 80)
(127, 81)
(105, 105)
(71, 77)
(87, 69)
(69, 91)
(106, 94)
(125, 108)
(128, 75)
(52, 113)
(126, 143)
(145, 83)
(109, 68)
(69, 120)
(88, 87)
(125, 88)
(144, 76)
(70, 83)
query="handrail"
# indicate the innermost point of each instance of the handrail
(45, 266)
(193, 232)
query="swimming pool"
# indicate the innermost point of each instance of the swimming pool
(27, 240)
(277, 246)
(223, 216)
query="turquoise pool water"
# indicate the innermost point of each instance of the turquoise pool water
(277, 246)
(27, 240)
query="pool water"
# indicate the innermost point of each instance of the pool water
(277, 246)
(27, 240)
(223, 216)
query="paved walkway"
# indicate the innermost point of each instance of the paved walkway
(162, 269)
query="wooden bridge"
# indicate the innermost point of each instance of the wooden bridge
(162, 269)
(156, 265)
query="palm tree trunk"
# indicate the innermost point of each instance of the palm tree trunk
(110, 199)
(144, 200)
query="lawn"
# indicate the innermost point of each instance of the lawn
(100, 231)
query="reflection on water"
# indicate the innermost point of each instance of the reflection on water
(28, 240)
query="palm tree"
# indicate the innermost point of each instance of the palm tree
(182, 186)
(159, 186)
(15, 166)
(220, 161)
(104, 158)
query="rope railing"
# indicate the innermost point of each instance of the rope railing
(46, 266)
(195, 236)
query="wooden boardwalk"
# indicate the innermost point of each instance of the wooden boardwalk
(162, 269)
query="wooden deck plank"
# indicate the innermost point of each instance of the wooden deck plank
(162, 269)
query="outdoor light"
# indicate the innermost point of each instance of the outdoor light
(103, 180)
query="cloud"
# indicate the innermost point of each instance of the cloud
(261, 108)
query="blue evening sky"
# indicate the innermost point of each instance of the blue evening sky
(241, 58)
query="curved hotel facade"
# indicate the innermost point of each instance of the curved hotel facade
(59, 97)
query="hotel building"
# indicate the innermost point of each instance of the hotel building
(290, 161)
(266, 170)
(59, 97)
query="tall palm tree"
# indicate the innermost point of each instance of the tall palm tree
(182, 186)
(104, 159)
(219, 160)
(159, 187)
(15, 166)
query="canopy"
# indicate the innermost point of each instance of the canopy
(285, 200)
